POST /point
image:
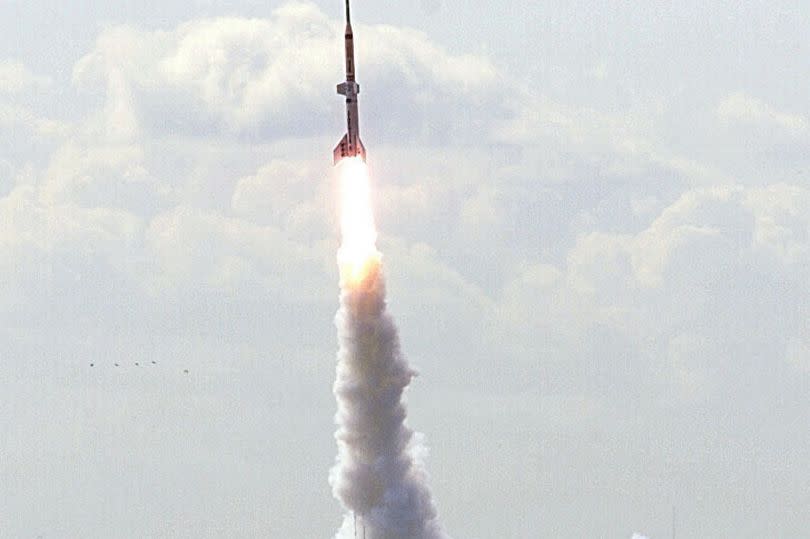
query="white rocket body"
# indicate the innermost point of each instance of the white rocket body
(350, 145)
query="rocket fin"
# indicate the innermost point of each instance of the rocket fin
(342, 149)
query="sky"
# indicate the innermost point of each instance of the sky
(595, 223)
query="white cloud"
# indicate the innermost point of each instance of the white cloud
(603, 303)
(706, 216)
(565, 143)
(252, 76)
(441, 286)
(720, 273)
(20, 118)
(266, 230)
(288, 194)
(46, 247)
(480, 209)
(102, 175)
(202, 251)
(721, 225)
(16, 78)
(745, 109)
(782, 224)
(30, 223)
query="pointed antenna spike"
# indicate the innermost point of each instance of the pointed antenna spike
(348, 13)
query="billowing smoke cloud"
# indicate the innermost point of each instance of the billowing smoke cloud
(378, 477)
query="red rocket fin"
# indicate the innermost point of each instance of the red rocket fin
(342, 149)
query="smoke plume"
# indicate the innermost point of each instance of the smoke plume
(378, 476)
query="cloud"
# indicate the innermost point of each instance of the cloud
(21, 119)
(677, 299)
(197, 251)
(584, 144)
(256, 224)
(50, 251)
(263, 78)
(16, 78)
(723, 225)
(595, 287)
(288, 194)
(103, 175)
(744, 109)
(27, 134)
(781, 224)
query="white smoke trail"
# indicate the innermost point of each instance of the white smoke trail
(378, 475)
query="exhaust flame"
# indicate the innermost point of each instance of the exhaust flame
(379, 477)
(357, 251)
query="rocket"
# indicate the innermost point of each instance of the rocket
(350, 145)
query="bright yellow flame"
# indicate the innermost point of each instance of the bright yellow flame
(358, 253)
